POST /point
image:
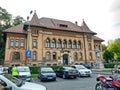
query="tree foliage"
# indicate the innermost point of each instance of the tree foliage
(115, 48)
(108, 55)
(6, 21)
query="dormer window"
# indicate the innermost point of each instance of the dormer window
(63, 25)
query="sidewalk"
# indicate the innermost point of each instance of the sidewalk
(104, 71)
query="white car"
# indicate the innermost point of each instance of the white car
(24, 73)
(17, 84)
(82, 70)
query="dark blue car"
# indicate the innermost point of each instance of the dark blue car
(47, 73)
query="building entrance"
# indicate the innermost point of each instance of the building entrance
(65, 59)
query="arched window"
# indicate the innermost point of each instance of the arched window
(81, 57)
(74, 44)
(16, 56)
(64, 44)
(90, 55)
(69, 44)
(79, 45)
(53, 43)
(59, 43)
(47, 43)
(54, 55)
(34, 55)
(75, 56)
(48, 56)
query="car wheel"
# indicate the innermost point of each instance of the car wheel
(63, 76)
(80, 75)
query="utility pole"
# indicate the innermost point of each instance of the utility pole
(28, 51)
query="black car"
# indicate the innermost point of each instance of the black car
(46, 73)
(66, 72)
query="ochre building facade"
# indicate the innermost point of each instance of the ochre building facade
(52, 42)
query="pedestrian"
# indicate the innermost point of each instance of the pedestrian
(15, 71)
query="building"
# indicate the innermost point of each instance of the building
(52, 42)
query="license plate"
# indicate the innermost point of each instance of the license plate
(50, 77)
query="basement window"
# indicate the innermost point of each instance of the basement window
(63, 25)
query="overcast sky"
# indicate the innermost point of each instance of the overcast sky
(101, 16)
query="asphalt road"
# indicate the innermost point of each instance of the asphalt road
(84, 83)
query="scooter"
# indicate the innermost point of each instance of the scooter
(108, 83)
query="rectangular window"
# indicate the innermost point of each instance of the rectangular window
(17, 43)
(22, 43)
(11, 42)
(89, 46)
(34, 43)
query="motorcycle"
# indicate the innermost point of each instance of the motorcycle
(108, 83)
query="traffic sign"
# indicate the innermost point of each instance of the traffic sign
(28, 53)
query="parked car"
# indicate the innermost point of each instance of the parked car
(17, 84)
(83, 71)
(4, 70)
(24, 73)
(47, 73)
(67, 72)
(87, 65)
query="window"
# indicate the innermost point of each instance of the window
(47, 43)
(79, 44)
(89, 38)
(80, 56)
(22, 43)
(75, 56)
(34, 31)
(89, 46)
(63, 25)
(48, 56)
(74, 44)
(11, 42)
(17, 43)
(69, 44)
(90, 55)
(34, 43)
(53, 43)
(59, 43)
(64, 44)
(54, 55)
(34, 55)
(16, 56)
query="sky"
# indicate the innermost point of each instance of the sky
(101, 16)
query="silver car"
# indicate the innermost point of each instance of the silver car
(83, 71)
(17, 84)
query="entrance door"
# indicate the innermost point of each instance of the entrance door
(65, 59)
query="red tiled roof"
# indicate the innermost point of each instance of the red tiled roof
(51, 24)
(16, 29)
(97, 38)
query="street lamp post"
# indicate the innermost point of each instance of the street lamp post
(28, 51)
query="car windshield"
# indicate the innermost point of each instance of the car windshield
(16, 81)
(47, 70)
(80, 67)
(23, 69)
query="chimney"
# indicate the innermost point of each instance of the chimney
(76, 22)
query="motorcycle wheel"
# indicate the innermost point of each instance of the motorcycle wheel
(98, 86)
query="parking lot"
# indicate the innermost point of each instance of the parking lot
(82, 83)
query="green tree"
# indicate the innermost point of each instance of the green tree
(6, 21)
(104, 47)
(18, 20)
(115, 48)
(108, 55)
